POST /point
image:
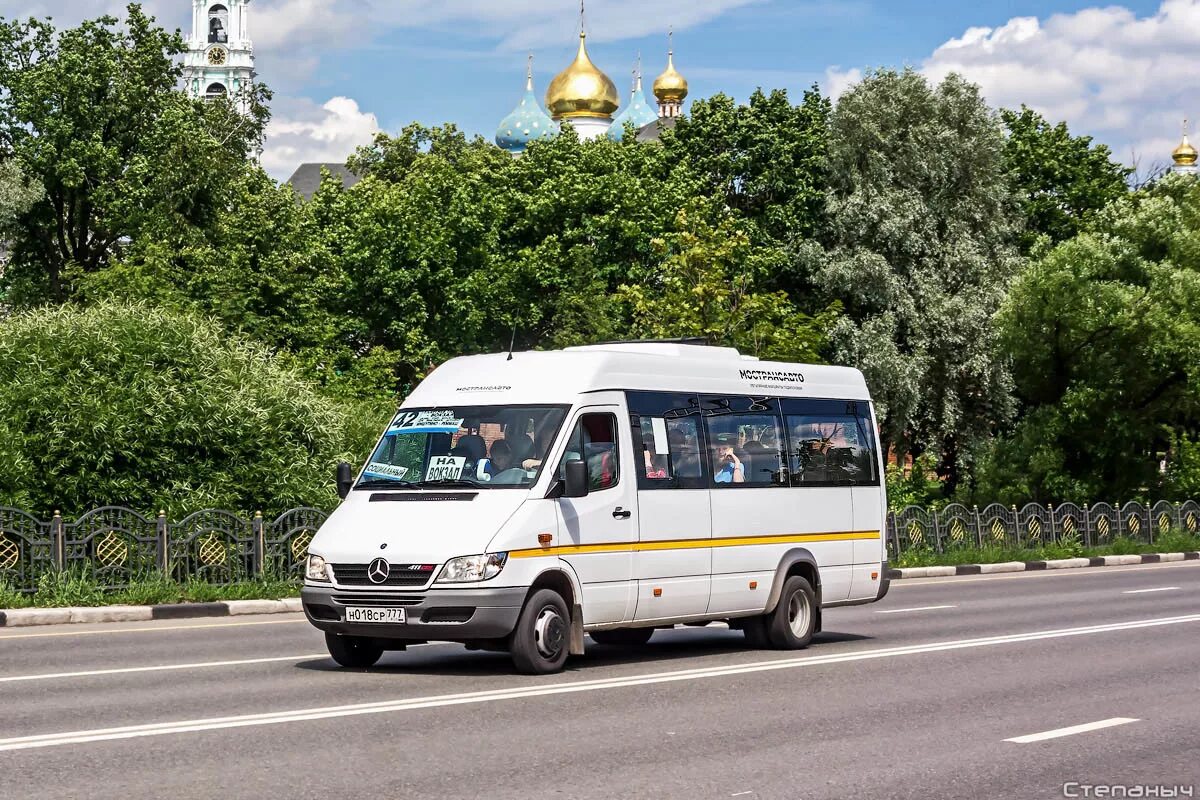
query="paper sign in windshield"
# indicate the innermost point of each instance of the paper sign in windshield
(439, 421)
(379, 469)
(445, 468)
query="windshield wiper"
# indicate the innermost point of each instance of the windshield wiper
(456, 482)
(383, 483)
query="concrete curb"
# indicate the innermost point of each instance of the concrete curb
(1028, 566)
(21, 617)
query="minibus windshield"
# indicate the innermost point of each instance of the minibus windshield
(487, 447)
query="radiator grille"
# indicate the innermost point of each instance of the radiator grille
(399, 575)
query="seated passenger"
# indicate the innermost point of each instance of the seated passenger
(501, 467)
(727, 467)
(500, 458)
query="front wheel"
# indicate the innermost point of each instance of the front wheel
(352, 651)
(541, 640)
(623, 637)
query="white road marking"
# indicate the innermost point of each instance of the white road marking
(918, 608)
(905, 583)
(1159, 589)
(1071, 731)
(4, 636)
(167, 667)
(157, 668)
(496, 695)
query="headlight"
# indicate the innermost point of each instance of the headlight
(316, 569)
(466, 569)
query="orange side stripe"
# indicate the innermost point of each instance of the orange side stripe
(689, 544)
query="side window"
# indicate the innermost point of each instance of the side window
(666, 428)
(830, 443)
(744, 441)
(594, 440)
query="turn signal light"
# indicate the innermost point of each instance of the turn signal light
(658, 592)
(753, 584)
(544, 539)
(874, 576)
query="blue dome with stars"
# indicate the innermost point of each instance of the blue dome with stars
(636, 111)
(527, 122)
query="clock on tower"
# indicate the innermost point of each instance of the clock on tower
(219, 61)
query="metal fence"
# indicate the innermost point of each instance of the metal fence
(957, 527)
(113, 546)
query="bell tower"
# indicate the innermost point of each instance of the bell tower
(220, 57)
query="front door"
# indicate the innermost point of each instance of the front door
(598, 532)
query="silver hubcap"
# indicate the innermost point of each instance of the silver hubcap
(550, 632)
(798, 613)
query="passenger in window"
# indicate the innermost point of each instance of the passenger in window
(655, 465)
(727, 467)
(684, 453)
(500, 458)
(541, 444)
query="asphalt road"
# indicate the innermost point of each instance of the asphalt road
(916, 697)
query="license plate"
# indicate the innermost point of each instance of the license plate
(361, 614)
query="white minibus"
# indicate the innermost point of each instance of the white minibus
(519, 501)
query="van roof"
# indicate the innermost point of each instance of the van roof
(560, 376)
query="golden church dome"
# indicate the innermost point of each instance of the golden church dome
(582, 90)
(1185, 154)
(670, 87)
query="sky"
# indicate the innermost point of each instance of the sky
(342, 70)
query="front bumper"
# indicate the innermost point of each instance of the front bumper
(453, 615)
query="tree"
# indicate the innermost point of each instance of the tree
(700, 289)
(1103, 333)
(17, 194)
(1061, 180)
(920, 249)
(766, 160)
(93, 113)
(129, 404)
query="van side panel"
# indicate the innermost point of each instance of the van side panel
(677, 519)
(823, 516)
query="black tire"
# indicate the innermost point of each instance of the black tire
(755, 629)
(542, 638)
(353, 651)
(623, 637)
(794, 621)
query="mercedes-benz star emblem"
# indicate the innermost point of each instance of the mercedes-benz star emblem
(377, 570)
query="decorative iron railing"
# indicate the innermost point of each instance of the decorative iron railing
(113, 546)
(957, 527)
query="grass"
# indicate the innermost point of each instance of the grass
(1170, 542)
(77, 588)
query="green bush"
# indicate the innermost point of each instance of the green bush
(134, 405)
(918, 486)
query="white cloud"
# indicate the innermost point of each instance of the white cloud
(301, 131)
(1126, 80)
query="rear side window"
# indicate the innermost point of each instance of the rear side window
(594, 440)
(830, 443)
(666, 429)
(745, 441)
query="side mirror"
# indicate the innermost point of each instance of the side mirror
(577, 481)
(345, 479)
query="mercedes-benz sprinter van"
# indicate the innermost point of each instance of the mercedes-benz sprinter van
(520, 501)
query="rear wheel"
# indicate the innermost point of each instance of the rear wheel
(794, 621)
(541, 640)
(623, 637)
(352, 651)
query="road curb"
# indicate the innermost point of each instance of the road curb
(23, 617)
(1029, 566)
